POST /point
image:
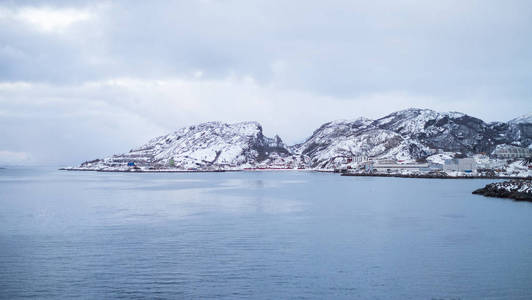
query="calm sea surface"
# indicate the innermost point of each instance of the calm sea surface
(258, 235)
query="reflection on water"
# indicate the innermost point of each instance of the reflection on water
(258, 235)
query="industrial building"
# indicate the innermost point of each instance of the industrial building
(511, 152)
(467, 165)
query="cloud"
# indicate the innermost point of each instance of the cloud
(49, 19)
(71, 123)
(342, 48)
(83, 79)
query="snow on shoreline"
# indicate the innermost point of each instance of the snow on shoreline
(520, 190)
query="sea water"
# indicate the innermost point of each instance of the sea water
(258, 235)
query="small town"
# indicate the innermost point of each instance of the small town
(503, 162)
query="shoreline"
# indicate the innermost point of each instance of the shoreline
(427, 176)
(517, 190)
(423, 176)
(148, 171)
(194, 171)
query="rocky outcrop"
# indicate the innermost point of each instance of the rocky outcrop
(519, 190)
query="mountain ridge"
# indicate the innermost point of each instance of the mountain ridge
(405, 135)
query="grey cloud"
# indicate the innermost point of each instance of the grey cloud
(339, 48)
(308, 60)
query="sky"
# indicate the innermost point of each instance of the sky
(86, 79)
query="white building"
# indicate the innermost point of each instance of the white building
(509, 152)
(467, 164)
(358, 159)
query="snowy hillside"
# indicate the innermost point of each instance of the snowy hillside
(524, 119)
(519, 131)
(210, 145)
(450, 131)
(403, 136)
(342, 139)
(409, 135)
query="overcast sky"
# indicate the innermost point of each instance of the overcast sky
(85, 79)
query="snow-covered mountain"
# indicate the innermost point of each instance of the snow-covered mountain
(405, 135)
(518, 131)
(524, 119)
(211, 145)
(334, 141)
(409, 135)
(451, 131)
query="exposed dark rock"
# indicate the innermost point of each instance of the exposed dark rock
(519, 190)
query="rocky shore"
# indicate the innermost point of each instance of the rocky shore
(519, 190)
(432, 176)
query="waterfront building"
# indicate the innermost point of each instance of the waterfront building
(467, 164)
